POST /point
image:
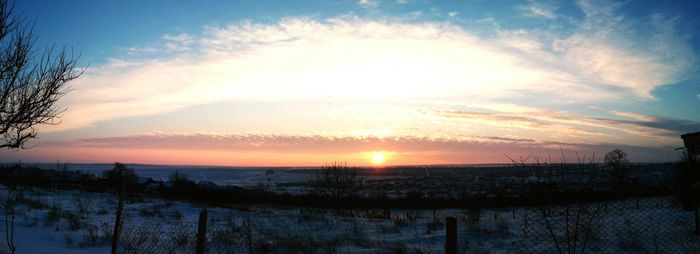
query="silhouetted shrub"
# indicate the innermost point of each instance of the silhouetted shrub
(69, 239)
(618, 164)
(336, 181)
(183, 187)
(53, 216)
(119, 176)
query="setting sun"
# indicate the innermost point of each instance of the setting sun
(316, 124)
(378, 158)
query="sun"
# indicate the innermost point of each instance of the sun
(378, 158)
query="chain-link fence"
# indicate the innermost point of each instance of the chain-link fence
(285, 230)
(631, 226)
(157, 235)
(654, 225)
(648, 225)
(299, 231)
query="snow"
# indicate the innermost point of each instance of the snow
(282, 229)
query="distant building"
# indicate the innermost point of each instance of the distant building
(692, 143)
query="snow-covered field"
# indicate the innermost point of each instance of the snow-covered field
(81, 222)
(238, 176)
(456, 182)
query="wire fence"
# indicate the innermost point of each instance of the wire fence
(271, 230)
(167, 235)
(649, 225)
(632, 226)
(656, 225)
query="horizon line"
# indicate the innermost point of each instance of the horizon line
(317, 166)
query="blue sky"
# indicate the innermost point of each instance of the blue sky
(306, 82)
(100, 29)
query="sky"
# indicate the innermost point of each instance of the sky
(369, 82)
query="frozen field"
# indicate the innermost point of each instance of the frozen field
(252, 176)
(80, 222)
(239, 176)
(456, 182)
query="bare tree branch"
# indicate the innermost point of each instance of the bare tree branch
(29, 89)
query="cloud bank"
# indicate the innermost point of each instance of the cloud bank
(302, 58)
(429, 91)
(313, 150)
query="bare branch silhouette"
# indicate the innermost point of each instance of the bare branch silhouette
(29, 88)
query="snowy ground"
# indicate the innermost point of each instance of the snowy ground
(80, 222)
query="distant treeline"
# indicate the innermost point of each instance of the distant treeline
(180, 188)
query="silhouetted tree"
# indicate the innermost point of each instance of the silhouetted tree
(182, 186)
(119, 176)
(29, 87)
(335, 180)
(616, 161)
(179, 178)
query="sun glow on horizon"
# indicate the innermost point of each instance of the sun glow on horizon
(373, 87)
(378, 158)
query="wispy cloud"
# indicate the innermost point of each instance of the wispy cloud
(635, 116)
(282, 143)
(140, 50)
(671, 127)
(553, 125)
(368, 3)
(604, 32)
(453, 14)
(249, 149)
(413, 15)
(310, 59)
(178, 42)
(538, 10)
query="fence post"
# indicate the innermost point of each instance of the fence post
(697, 221)
(451, 235)
(202, 231)
(118, 220)
(605, 207)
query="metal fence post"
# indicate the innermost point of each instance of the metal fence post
(451, 235)
(697, 221)
(202, 232)
(118, 220)
(605, 207)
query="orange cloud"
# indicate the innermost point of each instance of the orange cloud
(298, 150)
(350, 57)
